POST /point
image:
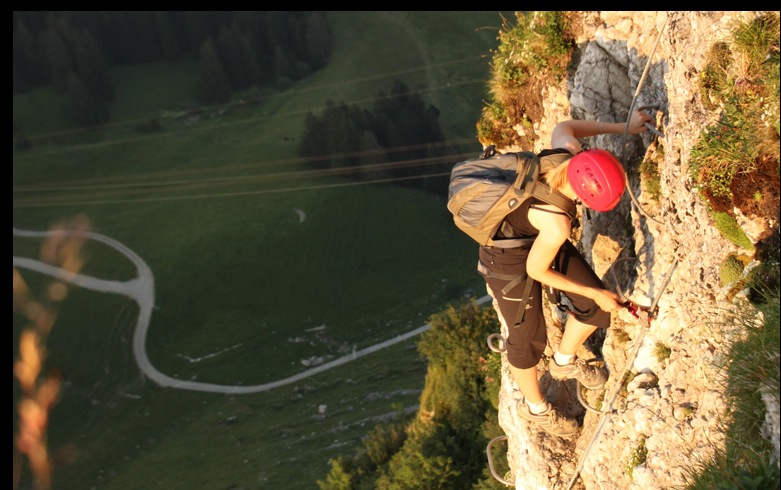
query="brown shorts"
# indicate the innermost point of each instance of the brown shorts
(527, 340)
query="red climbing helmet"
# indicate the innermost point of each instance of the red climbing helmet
(597, 179)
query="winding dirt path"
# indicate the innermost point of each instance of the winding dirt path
(142, 291)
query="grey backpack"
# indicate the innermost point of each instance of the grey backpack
(483, 191)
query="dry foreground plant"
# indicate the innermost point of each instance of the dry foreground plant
(39, 387)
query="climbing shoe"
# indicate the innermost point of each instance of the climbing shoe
(551, 421)
(590, 376)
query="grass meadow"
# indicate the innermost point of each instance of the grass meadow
(211, 203)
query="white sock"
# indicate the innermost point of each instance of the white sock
(562, 359)
(537, 408)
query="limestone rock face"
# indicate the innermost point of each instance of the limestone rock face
(672, 406)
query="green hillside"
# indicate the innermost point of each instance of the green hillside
(210, 202)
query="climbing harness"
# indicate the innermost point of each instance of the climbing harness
(638, 342)
(514, 280)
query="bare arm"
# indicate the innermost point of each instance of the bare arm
(566, 133)
(554, 230)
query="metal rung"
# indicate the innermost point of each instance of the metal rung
(491, 461)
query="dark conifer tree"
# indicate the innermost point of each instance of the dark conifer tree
(85, 109)
(295, 41)
(249, 23)
(371, 153)
(55, 56)
(401, 124)
(91, 67)
(334, 139)
(193, 28)
(135, 36)
(284, 66)
(214, 86)
(94, 23)
(249, 59)
(26, 65)
(238, 57)
(276, 29)
(313, 141)
(167, 36)
(405, 119)
(318, 40)
(265, 74)
(255, 47)
(227, 46)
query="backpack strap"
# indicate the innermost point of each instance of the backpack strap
(489, 151)
(545, 193)
(556, 198)
(553, 151)
(512, 242)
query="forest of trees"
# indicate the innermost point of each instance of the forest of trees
(444, 445)
(388, 142)
(73, 50)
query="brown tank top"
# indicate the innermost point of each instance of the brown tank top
(518, 220)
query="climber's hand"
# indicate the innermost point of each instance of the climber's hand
(637, 122)
(607, 300)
